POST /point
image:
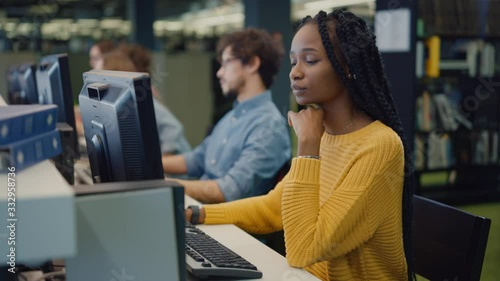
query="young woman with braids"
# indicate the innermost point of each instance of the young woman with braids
(345, 203)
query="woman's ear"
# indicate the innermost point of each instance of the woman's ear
(253, 64)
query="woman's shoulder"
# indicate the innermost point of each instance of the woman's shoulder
(382, 137)
(383, 131)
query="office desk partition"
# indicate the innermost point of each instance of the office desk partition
(40, 203)
(273, 266)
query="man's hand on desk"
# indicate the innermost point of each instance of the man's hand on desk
(189, 214)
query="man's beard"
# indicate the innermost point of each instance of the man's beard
(231, 94)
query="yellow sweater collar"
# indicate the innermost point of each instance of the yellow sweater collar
(338, 140)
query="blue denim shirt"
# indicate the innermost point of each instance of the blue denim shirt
(246, 149)
(170, 130)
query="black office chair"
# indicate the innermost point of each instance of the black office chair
(276, 240)
(448, 244)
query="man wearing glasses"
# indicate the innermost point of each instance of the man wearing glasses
(250, 144)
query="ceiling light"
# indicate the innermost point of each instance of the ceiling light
(88, 22)
(160, 25)
(219, 20)
(326, 4)
(111, 23)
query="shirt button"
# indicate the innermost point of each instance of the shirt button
(224, 141)
(233, 119)
(243, 111)
(212, 161)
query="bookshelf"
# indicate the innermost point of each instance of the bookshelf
(450, 105)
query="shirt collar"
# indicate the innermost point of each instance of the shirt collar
(255, 102)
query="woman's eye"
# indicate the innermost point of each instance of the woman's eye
(292, 64)
(311, 61)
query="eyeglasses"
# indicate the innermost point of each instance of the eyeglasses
(224, 63)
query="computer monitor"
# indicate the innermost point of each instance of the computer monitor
(21, 83)
(54, 87)
(129, 231)
(13, 87)
(120, 126)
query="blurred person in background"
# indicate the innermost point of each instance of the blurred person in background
(250, 144)
(98, 50)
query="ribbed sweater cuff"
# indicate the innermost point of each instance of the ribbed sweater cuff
(304, 169)
(215, 214)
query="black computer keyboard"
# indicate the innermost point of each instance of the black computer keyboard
(206, 257)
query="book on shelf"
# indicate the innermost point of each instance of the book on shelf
(472, 16)
(440, 151)
(425, 113)
(494, 148)
(493, 22)
(445, 112)
(485, 150)
(487, 67)
(26, 152)
(19, 122)
(420, 59)
(438, 15)
(449, 14)
(433, 45)
(457, 17)
(481, 149)
(419, 153)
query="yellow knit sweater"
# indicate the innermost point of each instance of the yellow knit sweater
(342, 215)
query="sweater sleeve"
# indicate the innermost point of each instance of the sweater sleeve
(349, 216)
(258, 215)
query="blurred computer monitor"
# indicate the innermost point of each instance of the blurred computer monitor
(13, 87)
(54, 87)
(21, 84)
(120, 126)
(129, 231)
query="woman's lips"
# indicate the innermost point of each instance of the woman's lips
(298, 90)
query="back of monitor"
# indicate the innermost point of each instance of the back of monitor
(131, 231)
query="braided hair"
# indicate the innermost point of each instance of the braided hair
(350, 44)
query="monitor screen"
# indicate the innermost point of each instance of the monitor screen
(120, 126)
(21, 83)
(54, 87)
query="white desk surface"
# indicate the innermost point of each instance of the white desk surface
(273, 266)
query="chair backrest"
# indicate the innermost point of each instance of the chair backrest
(281, 173)
(448, 244)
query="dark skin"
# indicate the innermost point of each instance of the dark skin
(315, 82)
